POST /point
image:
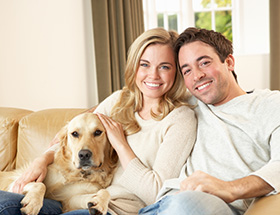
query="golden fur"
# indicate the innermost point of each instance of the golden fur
(83, 166)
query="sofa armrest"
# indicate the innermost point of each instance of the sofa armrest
(268, 205)
(36, 131)
(9, 121)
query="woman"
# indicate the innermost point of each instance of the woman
(151, 126)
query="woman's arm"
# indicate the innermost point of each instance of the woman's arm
(179, 136)
(36, 171)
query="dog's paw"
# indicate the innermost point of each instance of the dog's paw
(98, 204)
(30, 206)
(92, 210)
(97, 207)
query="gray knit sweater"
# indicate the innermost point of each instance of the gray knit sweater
(236, 139)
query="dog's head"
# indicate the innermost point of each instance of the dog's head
(85, 141)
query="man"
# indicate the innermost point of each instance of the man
(236, 156)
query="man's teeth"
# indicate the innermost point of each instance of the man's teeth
(203, 86)
(152, 84)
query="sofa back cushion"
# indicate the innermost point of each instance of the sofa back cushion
(36, 131)
(9, 121)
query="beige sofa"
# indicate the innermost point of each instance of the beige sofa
(25, 135)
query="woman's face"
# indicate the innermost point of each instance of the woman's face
(156, 72)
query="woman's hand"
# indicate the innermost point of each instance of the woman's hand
(114, 131)
(117, 139)
(37, 171)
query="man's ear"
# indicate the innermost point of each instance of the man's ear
(230, 62)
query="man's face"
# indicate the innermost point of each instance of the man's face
(206, 77)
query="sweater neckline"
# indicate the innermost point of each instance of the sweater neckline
(143, 121)
(232, 101)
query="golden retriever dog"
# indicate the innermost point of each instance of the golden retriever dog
(83, 166)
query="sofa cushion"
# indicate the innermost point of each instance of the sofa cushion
(36, 131)
(9, 121)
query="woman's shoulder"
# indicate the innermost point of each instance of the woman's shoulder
(182, 112)
(106, 105)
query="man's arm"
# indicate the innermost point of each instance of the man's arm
(247, 187)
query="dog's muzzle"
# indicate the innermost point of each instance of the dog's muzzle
(85, 156)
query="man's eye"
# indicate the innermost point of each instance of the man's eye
(75, 134)
(97, 133)
(185, 72)
(205, 63)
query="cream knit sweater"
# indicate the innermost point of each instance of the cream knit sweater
(161, 147)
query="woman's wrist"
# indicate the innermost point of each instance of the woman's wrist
(47, 158)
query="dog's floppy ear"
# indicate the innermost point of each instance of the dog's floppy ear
(61, 137)
(113, 156)
(62, 134)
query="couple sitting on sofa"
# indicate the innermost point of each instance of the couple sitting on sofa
(235, 155)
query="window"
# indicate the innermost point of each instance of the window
(161, 14)
(214, 14)
(238, 20)
(178, 14)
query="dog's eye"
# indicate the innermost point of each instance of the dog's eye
(97, 133)
(75, 134)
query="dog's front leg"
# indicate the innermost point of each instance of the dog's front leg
(34, 195)
(96, 203)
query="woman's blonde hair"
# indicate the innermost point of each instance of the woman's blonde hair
(131, 97)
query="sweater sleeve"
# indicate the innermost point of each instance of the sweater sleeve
(106, 105)
(173, 152)
(268, 111)
(271, 171)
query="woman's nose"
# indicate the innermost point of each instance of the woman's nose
(153, 72)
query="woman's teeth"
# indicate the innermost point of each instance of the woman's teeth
(152, 84)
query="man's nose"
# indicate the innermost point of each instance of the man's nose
(198, 74)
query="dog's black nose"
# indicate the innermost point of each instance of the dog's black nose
(85, 154)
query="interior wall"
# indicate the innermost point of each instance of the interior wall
(46, 54)
(251, 44)
(47, 59)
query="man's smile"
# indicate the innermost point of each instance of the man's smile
(203, 86)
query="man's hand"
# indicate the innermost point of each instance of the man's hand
(229, 191)
(200, 181)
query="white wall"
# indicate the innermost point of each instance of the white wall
(46, 57)
(251, 44)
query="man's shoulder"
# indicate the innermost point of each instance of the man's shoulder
(266, 95)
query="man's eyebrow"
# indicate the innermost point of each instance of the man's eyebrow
(202, 57)
(197, 60)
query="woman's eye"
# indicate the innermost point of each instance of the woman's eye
(144, 64)
(165, 67)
